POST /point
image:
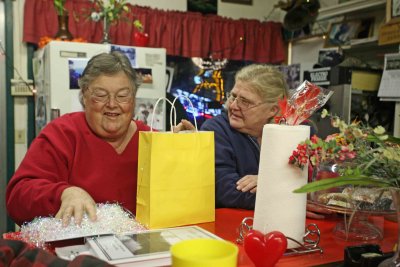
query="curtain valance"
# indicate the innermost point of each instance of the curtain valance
(186, 34)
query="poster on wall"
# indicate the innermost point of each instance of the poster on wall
(144, 112)
(130, 52)
(76, 67)
(147, 77)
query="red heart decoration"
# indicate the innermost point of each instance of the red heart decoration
(265, 250)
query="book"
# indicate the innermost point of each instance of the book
(147, 248)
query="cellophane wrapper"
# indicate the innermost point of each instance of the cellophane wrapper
(303, 102)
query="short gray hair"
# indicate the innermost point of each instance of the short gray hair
(107, 64)
(266, 81)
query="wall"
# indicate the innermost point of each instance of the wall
(258, 10)
(3, 124)
(20, 63)
(179, 5)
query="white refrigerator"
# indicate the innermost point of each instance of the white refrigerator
(58, 65)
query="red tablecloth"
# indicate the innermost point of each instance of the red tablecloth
(228, 221)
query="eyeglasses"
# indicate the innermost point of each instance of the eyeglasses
(123, 96)
(243, 103)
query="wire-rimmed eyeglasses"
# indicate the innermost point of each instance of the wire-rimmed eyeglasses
(242, 102)
(123, 96)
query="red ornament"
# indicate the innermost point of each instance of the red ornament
(265, 250)
(141, 39)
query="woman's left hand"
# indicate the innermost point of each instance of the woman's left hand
(247, 183)
(184, 125)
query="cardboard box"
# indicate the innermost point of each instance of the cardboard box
(365, 80)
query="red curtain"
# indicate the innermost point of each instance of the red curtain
(186, 34)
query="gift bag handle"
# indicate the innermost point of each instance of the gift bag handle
(155, 107)
(173, 105)
(172, 109)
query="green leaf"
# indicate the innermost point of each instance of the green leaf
(342, 180)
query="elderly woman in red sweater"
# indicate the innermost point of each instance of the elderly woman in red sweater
(84, 158)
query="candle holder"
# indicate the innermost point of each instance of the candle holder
(309, 244)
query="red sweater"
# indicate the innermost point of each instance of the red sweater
(67, 153)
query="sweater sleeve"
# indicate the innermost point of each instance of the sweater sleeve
(37, 185)
(227, 171)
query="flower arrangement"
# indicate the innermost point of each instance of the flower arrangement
(110, 10)
(371, 156)
(59, 6)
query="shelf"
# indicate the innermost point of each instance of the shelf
(349, 7)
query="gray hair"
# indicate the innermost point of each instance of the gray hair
(266, 81)
(107, 64)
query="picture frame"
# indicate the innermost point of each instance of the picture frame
(392, 11)
(203, 6)
(341, 33)
(241, 2)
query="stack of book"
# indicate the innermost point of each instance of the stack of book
(147, 248)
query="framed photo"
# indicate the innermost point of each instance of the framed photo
(242, 2)
(340, 33)
(393, 11)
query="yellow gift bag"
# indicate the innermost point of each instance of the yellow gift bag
(176, 178)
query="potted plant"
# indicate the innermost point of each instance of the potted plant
(110, 12)
(140, 37)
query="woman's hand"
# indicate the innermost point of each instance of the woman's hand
(316, 212)
(75, 202)
(184, 125)
(247, 183)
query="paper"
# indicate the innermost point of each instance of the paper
(389, 86)
(277, 207)
(148, 248)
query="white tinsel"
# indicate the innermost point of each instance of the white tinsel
(111, 218)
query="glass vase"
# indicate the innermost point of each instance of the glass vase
(395, 260)
(106, 32)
